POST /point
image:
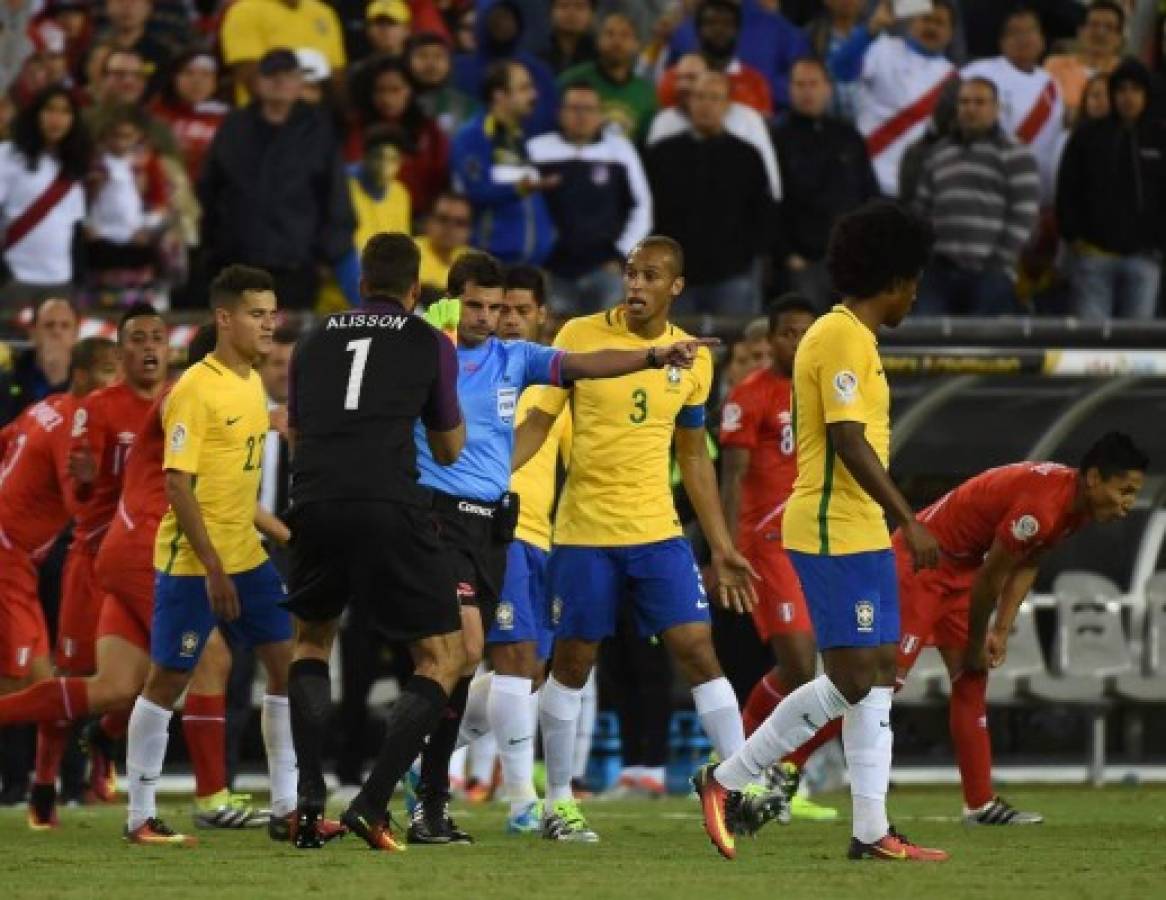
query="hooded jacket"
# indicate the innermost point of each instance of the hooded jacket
(1111, 188)
(470, 69)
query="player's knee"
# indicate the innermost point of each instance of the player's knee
(697, 661)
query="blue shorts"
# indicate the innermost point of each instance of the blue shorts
(853, 599)
(183, 619)
(523, 612)
(589, 584)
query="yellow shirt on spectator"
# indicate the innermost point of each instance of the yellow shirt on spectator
(252, 27)
(838, 377)
(392, 212)
(434, 269)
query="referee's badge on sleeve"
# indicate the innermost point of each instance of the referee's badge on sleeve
(507, 403)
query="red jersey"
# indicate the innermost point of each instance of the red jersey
(757, 418)
(143, 496)
(1026, 506)
(33, 474)
(106, 421)
(747, 86)
(194, 128)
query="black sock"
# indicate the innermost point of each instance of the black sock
(310, 698)
(414, 715)
(438, 752)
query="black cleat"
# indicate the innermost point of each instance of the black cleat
(42, 807)
(431, 823)
(750, 810)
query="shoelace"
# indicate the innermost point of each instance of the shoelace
(159, 827)
(237, 801)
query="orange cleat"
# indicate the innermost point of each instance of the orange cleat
(894, 847)
(155, 832)
(378, 835)
(712, 803)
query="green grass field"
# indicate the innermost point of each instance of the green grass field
(1095, 844)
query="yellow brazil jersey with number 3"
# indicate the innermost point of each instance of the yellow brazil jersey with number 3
(215, 424)
(617, 492)
(838, 377)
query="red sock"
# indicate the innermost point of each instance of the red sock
(54, 699)
(763, 699)
(968, 717)
(51, 738)
(204, 725)
(115, 724)
(824, 735)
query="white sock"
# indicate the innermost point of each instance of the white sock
(586, 727)
(457, 764)
(149, 731)
(513, 728)
(476, 719)
(793, 722)
(281, 753)
(559, 718)
(483, 755)
(720, 716)
(868, 741)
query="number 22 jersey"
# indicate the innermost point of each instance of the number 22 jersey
(215, 424)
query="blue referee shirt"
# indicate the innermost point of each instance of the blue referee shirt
(491, 377)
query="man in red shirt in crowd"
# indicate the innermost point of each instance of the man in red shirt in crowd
(759, 465)
(34, 452)
(993, 531)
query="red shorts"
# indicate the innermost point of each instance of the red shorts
(24, 635)
(933, 606)
(81, 599)
(781, 607)
(125, 571)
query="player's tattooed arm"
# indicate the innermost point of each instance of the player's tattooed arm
(733, 573)
(734, 464)
(994, 574)
(530, 436)
(180, 493)
(850, 443)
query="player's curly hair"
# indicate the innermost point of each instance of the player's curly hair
(1114, 453)
(876, 246)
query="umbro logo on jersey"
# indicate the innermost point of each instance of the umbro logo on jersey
(234, 420)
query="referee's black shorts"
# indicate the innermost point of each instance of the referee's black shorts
(474, 553)
(387, 559)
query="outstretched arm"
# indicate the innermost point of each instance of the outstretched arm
(613, 363)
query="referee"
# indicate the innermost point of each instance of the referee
(364, 530)
(478, 513)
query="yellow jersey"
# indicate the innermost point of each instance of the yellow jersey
(434, 271)
(392, 212)
(838, 377)
(535, 482)
(618, 492)
(216, 427)
(252, 27)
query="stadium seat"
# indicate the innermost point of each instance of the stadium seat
(1147, 682)
(1089, 651)
(922, 685)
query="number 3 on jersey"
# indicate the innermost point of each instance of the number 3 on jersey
(359, 350)
(639, 406)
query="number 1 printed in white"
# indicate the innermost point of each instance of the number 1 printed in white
(356, 373)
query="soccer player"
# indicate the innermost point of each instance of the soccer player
(366, 532)
(617, 533)
(210, 564)
(103, 427)
(993, 531)
(758, 467)
(34, 450)
(519, 642)
(836, 535)
(472, 496)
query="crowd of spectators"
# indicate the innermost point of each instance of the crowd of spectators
(146, 143)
